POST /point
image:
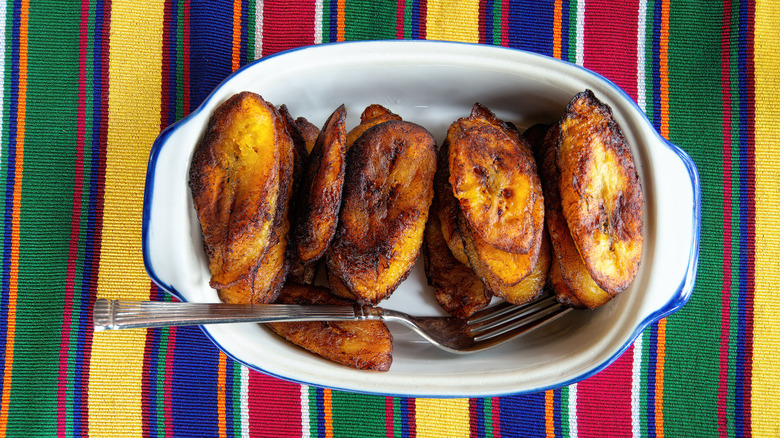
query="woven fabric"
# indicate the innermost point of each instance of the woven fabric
(86, 86)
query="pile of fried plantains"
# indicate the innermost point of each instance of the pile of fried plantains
(279, 199)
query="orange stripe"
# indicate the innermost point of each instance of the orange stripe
(664, 68)
(557, 16)
(221, 395)
(340, 21)
(13, 281)
(549, 413)
(236, 34)
(659, 379)
(327, 408)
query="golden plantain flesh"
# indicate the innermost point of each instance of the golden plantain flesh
(387, 195)
(373, 115)
(234, 179)
(365, 345)
(601, 196)
(493, 176)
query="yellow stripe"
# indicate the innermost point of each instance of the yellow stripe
(133, 123)
(445, 417)
(13, 280)
(766, 325)
(453, 20)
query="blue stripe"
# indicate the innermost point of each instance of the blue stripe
(655, 117)
(652, 357)
(557, 412)
(10, 160)
(172, 60)
(488, 22)
(334, 25)
(565, 26)
(523, 415)
(320, 398)
(152, 394)
(531, 25)
(194, 384)
(416, 19)
(211, 27)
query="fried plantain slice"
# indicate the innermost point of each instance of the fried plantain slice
(373, 115)
(387, 194)
(309, 131)
(446, 206)
(456, 288)
(493, 176)
(601, 196)
(532, 285)
(563, 293)
(234, 180)
(501, 271)
(365, 345)
(575, 278)
(268, 277)
(320, 193)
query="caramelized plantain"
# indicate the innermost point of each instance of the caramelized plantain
(365, 345)
(387, 195)
(373, 115)
(567, 263)
(446, 206)
(601, 195)
(234, 179)
(456, 288)
(320, 194)
(503, 272)
(493, 176)
(268, 277)
(309, 131)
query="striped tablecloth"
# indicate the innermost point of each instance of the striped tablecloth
(86, 86)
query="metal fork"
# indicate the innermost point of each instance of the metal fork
(486, 328)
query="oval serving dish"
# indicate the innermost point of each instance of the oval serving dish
(433, 84)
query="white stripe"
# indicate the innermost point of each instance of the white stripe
(259, 29)
(636, 388)
(244, 401)
(318, 22)
(640, 55)
(573, 410)
(305, 432)
(580, 43)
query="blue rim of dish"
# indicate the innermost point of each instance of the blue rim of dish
(680, 298)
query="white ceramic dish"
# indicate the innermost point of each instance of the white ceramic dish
(433, 84)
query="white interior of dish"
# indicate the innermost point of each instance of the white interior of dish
(433, 84)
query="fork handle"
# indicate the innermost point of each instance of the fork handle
(122, 314)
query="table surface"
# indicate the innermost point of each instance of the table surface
(87, 87)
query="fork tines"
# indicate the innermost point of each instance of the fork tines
(507, 319)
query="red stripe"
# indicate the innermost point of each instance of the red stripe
(727, 212)
(411, 411)
(281, 33)
(274, 407)
(389, 417)
(750, 238)
(483, 36)
(400, 23)
(505, 22)
(610, 34)
(604, 400)
(496, 411)
(73, 248)
(423, 19)
(473, 426)
(166, 66)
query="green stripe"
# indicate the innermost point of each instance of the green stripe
(351, 411)
(644, 406)
(497, 23)
(408, 9)
(326, 21)
(47, 203)
(369, 20)
(572, 31)
(695, 116)
(564, 412)
(250, 34)
(237, 382)
(397, 418)
(487, 412)
(649, 44)
(313, 410)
